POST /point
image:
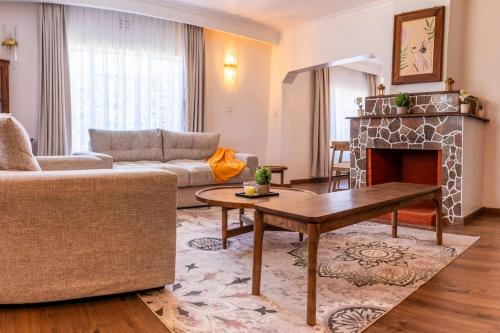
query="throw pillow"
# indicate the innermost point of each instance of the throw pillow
(15, 146)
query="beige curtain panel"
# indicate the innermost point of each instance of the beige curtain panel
(371, 84)
(54, 128)
(195, 67)
(321, 123)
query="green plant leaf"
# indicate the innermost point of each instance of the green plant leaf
(263, 175)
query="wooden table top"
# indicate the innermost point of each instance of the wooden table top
(225, 196)
(333, 205)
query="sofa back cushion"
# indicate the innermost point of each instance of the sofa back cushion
(189, 145)
(15, 146)
(135, 145)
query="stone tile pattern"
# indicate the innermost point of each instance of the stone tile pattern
(426, 132)
(424, 103)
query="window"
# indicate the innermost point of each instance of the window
(345, 85)
(126, 71)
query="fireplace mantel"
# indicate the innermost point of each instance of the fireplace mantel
(435, 114)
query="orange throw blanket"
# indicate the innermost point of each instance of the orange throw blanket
(225, 165)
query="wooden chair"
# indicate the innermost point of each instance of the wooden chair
(338, 169)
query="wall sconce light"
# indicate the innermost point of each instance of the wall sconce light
(9, 40)
(230, 67)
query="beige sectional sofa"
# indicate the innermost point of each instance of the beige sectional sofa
(183, 154)
(70, 233)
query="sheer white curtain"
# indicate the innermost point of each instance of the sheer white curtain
(345, 85)
(126, 71)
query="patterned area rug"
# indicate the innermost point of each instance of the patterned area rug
(363, 273)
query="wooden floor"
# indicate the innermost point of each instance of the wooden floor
(463, 297)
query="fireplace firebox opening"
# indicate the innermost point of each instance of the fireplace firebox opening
(410, 166)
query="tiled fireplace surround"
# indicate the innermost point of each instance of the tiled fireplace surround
(434, 123)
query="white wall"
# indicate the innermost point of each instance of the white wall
(472, 166)
(24, 73)
(368, 30)
(239, 111)
(481, 78)
(299, 101)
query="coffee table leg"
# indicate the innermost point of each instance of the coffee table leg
(258, 229)
(242, 212)
(301, 236)
(394, 224)
(312, 262)
(224, 227)
(438, 202)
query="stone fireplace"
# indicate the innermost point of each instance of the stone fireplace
(434, 144)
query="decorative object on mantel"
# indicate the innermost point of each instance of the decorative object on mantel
(359, 103)
(418, 46)
(480, 112)
(9, 40)
(381, 89)
(263, 177)
(464, 99)
(469, 103)
(449, 84)
(403, 103)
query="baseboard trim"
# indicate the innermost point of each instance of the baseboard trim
(309, 180)
(491, 211)
(279, 185)
(466, 219)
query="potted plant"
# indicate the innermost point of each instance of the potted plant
(403, 103)
(358, 101)
(263, 177)
(465, 99)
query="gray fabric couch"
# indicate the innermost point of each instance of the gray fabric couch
(70, 232)
(182, 153)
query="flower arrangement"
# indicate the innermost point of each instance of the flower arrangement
(358, 101)
(465, 96)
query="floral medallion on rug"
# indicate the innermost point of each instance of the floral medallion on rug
(362, 273)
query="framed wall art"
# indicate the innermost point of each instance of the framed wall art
(418, 46)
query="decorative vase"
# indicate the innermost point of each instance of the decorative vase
(262, 189)
(402, 110)
(465, 108)
(361, 112)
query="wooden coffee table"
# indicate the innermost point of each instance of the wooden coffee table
(327, 212)
(225, 198)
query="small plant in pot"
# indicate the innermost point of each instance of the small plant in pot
(358, 101)
(263, 177)
(465, 100)
(403, 103)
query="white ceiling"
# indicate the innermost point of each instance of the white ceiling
(278, 14)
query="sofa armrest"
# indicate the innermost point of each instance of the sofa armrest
(107, 159)
(73, 234)
(83, 162)
(251, 160)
